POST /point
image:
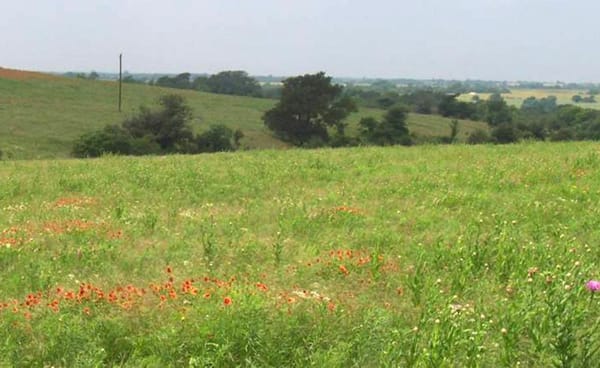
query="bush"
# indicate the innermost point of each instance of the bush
(157, 132)
(505, 133)
(111, 139)
(218, 138)
(479, 136)
(390, 131)
(562, 134)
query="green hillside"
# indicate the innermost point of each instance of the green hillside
(431, 256)
(41, 117)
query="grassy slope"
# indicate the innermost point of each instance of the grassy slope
(450, 235)
(40, 118)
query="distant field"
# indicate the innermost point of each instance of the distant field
(563, 96)
(40, 115)
(430, 256)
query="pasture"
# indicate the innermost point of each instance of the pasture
(431, 256)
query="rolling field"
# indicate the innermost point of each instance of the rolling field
(431, 256)
(41, 115)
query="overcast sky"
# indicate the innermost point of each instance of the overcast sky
(545, 40)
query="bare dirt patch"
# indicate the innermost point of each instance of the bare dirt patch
(23, 75)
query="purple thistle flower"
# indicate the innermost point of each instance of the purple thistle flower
(593, 286)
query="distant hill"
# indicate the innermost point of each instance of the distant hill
(41, 114)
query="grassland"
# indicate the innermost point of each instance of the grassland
(41, 116)
(431, 256)
(517, 95)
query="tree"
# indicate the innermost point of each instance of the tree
(218, 138)
(505, 133)
(233, 82)
(453, 131)
(168, 127)
(309, 105)
(498, 112)
(390, 131)
(449, 106)
(180, 81)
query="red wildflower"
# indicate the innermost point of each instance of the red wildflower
(344, 270)
(227, 301)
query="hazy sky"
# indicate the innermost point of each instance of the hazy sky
(478, 39)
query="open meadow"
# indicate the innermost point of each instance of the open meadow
(41, 115)
(430, 256)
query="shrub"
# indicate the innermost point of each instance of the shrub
(111, 139)
(218, 138)
(479, 136)
(505, 133)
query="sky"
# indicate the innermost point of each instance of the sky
(534, 40)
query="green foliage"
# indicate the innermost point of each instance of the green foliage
(180, 81)
(218, 138)
(450, 106)
(169, 127)
(111, 139)
(425, 101)
(497, 111)
(542, 106)
(505, 133)
(309, 105)
(453, 131)
(479, 136)
(233, 82)
(166, 130)
(391, 130)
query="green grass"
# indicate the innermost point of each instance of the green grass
(41, 118)
(431, 256)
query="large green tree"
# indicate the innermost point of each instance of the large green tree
(309, 105)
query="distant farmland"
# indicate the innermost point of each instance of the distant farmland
(563, 96)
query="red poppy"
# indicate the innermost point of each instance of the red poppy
(227, 301)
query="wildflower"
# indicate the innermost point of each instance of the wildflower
(344, 270)
(206, 295)
(593, 286)
(227, 301)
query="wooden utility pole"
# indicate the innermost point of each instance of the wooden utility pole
(120, 79)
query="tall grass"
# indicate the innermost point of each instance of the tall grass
(428, 257)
